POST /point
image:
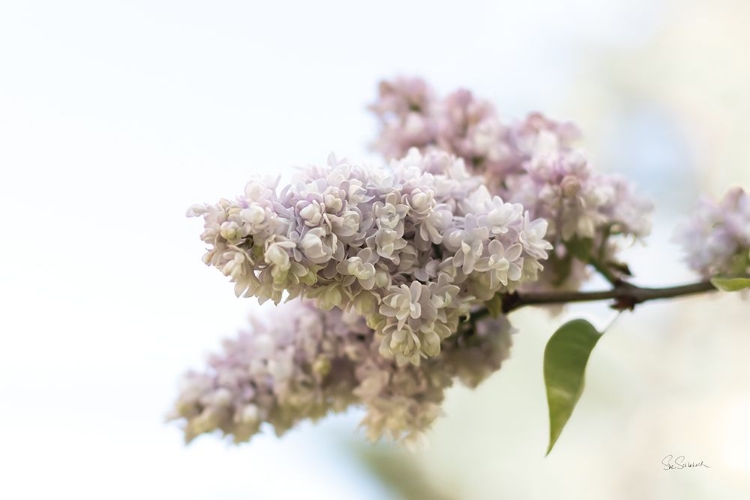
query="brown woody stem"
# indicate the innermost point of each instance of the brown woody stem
(624, 295)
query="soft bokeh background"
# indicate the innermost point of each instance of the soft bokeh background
(115, 116)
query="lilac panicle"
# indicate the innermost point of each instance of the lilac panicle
(716, 239)
(412, 247)
(302, 363)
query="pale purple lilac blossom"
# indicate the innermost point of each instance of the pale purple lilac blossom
(716, 239)
(412, 247)
(302, 362)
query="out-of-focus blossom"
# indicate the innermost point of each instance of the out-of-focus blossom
(717, 237)
(302, 363)
(404, 106)
(412, 247)
(411, 116)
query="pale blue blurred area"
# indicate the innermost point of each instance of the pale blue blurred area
(116, 116)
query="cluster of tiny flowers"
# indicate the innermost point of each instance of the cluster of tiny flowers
(411, 115)
(532, 162)
(302, 363)
(717, 238)
(412, 247)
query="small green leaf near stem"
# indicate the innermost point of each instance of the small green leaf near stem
(583, 250)
(605, 271)
(730, 284)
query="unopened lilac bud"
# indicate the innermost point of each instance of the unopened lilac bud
(570, 186)
(230, 231)
(321, 366)
(250, 414)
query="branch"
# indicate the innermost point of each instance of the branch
(625, 296)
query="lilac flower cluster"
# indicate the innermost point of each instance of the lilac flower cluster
(717, 238)
(532, 162)
(303, 363)
(412, 247)
(411, 115)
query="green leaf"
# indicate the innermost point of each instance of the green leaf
(580, 248)
(495, 306)
(730, 284)
(565, 359)
(399, 470)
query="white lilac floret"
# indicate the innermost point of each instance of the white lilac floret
(413, 246)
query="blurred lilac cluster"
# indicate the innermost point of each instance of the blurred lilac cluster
(411, 115)
(531, 162)
(301, 362)
(717, 237)
(413, 247)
